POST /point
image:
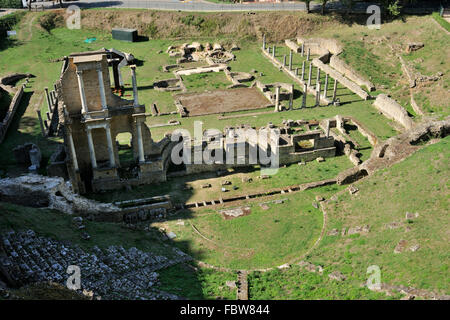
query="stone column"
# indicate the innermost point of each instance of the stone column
(318, 94)
(296, 72)
(284, 60)
(328, 128)
(101, 86)
(305, 93)
(325, 88)
(318, 75)
(310, 73)
(273, 51)
(264, 42)
(72, 149)
(91, 148)
(135, 91)
(308, 55)
(303, 70)
(277, 98)
(290, 60)
(40, 122)
(49, 104)
(303, 49)
(335, 89)
(139, 140)
(291, 97)
(112, 160)
(84, 108)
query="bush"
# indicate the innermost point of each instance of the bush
(17, 4)
(7, 22)
(152, 30)
(50, 21)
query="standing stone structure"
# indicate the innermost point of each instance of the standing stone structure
(290, 60)
(325, 88)
(308, 55)
(334, 90)
(305, 92)
(303, 70)
(317, 94)
(264, 42)
(277, 98)
(93, 117)
(310, 74)
(273, 51)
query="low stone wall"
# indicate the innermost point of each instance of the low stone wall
(292, 45)
(320, 46)
(346, 70)
(392, 110)
(4, 125)
(339, 77)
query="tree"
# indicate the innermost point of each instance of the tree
(348, 4)
(307, 3)
(324, 3)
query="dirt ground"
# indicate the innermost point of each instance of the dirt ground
(220, 101)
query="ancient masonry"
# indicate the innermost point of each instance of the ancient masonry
(111, 273)
(91, 117)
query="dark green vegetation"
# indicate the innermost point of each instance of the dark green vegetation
(444, 23)
(11, 4)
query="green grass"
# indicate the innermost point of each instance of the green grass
(206, 81)
(444, 23)
(297, 284)
(385, 198)
(57, 225)
(264, 238)
(286, 176)
(198, 284)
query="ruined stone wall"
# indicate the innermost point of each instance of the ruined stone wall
(71, 95)
(4, 125)
(392, 110)
(347, 71)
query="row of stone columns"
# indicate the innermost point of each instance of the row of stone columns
(101, 88)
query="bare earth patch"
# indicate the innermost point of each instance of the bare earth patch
(220, 101)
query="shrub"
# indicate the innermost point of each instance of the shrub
(152, 30)
(7, 22)
(17, 4)
(50, 21)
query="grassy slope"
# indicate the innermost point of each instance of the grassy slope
(367, 52)
(264, 238)
(385, 198)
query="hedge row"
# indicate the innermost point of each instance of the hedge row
(11, 4)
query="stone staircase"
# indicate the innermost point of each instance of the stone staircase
(112, 273)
